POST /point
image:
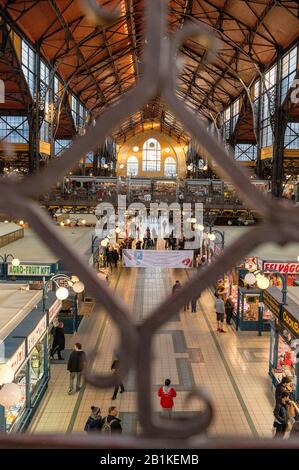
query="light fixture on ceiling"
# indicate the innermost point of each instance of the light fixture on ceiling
(135, 149)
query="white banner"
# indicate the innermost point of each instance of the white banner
(157, 259)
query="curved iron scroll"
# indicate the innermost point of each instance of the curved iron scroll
(281, 225)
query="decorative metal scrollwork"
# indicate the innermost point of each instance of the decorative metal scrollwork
(280, 225)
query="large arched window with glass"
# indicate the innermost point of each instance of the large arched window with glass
(170, 167)
(132, 166)
(151, 155)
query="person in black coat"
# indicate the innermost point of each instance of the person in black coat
(95, 420)
(229, 309)
(115, 257)
(112, 424)
(75, 367)
(58, 341)
(114, 368)
(281, 415)
(282, 387)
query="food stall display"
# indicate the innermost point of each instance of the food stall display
(284, 337)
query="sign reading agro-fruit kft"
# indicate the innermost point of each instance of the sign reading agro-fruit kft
(29, 270)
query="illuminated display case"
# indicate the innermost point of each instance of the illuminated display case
(14, 412)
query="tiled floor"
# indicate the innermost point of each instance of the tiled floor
(233, 367)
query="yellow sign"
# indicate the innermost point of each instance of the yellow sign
(290, 322)
(271, 303)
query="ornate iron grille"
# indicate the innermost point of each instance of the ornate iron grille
(280, 225)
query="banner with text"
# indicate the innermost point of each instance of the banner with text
(157, 259)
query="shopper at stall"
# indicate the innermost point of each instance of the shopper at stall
(283, 386)
(111, 423)
(229, 309)
(167, 394)
(95, 420)
(176, 286)
(75, 367)
(115, 368)
(58, 341)
(220, 310)
(281, 415)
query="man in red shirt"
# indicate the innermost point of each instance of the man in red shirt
(167, 394)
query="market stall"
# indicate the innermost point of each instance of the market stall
(284, 337)
(26, 351)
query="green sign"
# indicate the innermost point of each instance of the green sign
(29, 270)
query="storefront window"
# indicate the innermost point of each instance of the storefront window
(285, 361)
(36, 363)
(12, 413)
(251, 307)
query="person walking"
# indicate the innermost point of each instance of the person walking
(229, 309)
(115, 368)
(176, 286)
(58, 344)
(187, 306)
(167, 394)
(75, 367)
(115, 257)
(194, 305)
(111, 423)
(95, 420)
(281, 415)
(220, 310)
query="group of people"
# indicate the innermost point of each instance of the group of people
(110, 424)
(175, 288)
(286, 411)
(224, 306)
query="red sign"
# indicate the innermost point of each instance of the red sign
(283, 268)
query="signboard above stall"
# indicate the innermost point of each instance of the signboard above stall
(18, 358)
(290, 322)
(30, 270)
(54, 309)
(272, 303)
(281, 267)
(37, 333)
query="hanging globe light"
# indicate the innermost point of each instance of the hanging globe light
(263, 282)
(15, 262)
(6, 374)
(212, 236)
(78, 287)
(62, 293)
(75, 279)
(10, 395)
(250, 279)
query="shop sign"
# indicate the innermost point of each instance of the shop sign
(283, 268)
(271, 303)
(37, 333)
(251, 264)
(290, 322)
(18, 358)
(54, 309)
(29, 270)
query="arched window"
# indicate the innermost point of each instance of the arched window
(169, 167)
(132, 166)
(151, 155)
